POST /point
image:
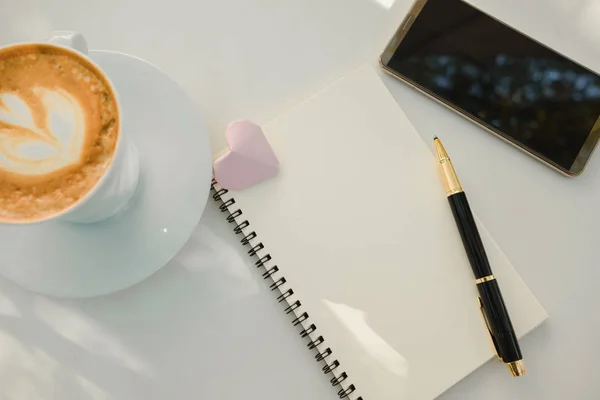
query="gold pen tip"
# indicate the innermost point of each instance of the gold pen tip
(516, 368)
(435, 137)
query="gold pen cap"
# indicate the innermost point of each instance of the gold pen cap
(451, 182)
(516, 368)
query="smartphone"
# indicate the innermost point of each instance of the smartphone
(504, 81)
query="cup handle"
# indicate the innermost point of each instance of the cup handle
(72, 39)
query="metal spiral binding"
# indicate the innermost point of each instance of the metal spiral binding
(285, 294)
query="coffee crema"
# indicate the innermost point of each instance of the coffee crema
(59, 126)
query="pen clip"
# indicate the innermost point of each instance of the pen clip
(487, 325)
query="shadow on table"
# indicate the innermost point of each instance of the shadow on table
(150, 341)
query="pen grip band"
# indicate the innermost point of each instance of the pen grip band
(470, 235)
(498, 321)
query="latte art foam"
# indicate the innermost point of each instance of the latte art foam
(58, 130)
(29, 149)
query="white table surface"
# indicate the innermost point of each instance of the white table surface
(206, 326)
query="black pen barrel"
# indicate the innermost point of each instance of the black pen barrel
(470, 235)
(498, 321)
(494, 308)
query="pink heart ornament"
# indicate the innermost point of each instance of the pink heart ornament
(250, 159)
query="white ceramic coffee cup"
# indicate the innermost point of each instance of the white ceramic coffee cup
(116, 187)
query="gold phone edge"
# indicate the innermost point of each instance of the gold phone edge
(588, 148)
(403, 28)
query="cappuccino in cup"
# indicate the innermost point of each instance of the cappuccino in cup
(59, 129)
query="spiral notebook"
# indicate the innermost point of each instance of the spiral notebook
(357, 241)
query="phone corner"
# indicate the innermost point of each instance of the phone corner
(574, 173)
(380, 60)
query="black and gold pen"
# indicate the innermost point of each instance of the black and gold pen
(491, 303)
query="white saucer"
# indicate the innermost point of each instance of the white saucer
(82, 260)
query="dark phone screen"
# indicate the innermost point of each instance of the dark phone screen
(502, 78)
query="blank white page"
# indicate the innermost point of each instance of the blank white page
(358, 224)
